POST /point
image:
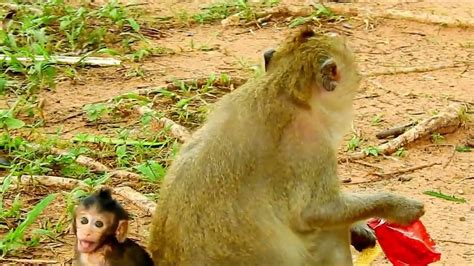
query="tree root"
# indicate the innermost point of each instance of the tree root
(126, 192)
(177, 130)
(402, 15)
(449, 118)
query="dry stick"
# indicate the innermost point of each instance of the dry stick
(455, 242)
(70, 60)
(31, 261)
(128, 193)
(403, 171)
(396, 131)
(234, 82)
(447, 119)
(452, 21)
(92, 164)
(45, 180)
(84, 161)
(180, 132)
(385, 176)
(406, 70)
(136, 198)
(450, 157)
(258, 21)
(428, 18)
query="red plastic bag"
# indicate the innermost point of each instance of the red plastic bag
(405, 245)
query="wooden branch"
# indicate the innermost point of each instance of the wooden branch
(395, 131)
(449, 118)
(123, 174)
(455, 242)
(136, 198)
(70, 60)
(93, 165)
(88, 162)
(259, 20)
(404, 171)
(177, 130)
(199, 82)
(385, 176)
(45, 180)
(31, 261)
(406, 70)
(128, 193)
(218, 82)
(452, 21)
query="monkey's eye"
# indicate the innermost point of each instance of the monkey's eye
(84, 220)
(99, 224)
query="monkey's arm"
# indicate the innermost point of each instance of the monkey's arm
(349, 208)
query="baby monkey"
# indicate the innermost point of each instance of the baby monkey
(100, 224)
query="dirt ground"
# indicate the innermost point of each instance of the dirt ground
(390, 99)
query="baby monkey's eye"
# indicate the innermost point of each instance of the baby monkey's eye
(84, 220)
(99, 224)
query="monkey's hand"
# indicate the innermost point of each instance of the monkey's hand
(403, 211)
(349, 208)
(362, 236)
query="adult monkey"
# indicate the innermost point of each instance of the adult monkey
(257, 183)
(362, 236)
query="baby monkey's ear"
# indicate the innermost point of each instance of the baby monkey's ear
(304, 34)
(122, 230)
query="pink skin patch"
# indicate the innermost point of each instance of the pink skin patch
(336, 74)
(85, 246)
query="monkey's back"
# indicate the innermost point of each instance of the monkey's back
(214, 205)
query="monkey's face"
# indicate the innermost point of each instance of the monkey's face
(92, 227)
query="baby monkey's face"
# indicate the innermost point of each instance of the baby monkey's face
(92, 228)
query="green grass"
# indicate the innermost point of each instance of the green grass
(46, 28)
(53, 27)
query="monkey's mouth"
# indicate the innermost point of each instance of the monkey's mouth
(85, 246)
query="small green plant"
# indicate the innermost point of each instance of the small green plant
(14, 239)
(376, 119)
(224, 9)
(8, 122)
(373, 151)
(437, 138)
(463, 148)
(444, 196)
(401, 152)
(95, 111)
(354, 143)
(152, 171)
(123, 157)
(94, 182)
(321, 12)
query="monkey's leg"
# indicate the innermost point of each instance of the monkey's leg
(362, 236)
(349, 208)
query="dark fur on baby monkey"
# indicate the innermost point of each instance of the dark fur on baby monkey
(257, 184)
(101, 224)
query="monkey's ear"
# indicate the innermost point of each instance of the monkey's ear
(267, 56)
(304, 34)
(74, 226)
(330, 74)
(122, 230)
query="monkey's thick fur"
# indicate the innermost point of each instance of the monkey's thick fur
(257, 183)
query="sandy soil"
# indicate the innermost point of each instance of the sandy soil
(395, 99)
